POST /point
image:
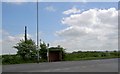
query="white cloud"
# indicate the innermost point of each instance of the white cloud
(93, 29)
(3, 32)
(50, 9)
(72, 10)
(84, 1)
(8, 41)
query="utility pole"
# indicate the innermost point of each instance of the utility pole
(25, 33)
(37, 34)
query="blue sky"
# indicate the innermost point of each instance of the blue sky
(17, 15)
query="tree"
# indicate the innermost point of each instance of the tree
(26, 49)
(62, 50)
(43, 50)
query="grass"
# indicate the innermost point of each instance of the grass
(75, 56)
(91, 56)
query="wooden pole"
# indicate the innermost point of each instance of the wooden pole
(25, 33)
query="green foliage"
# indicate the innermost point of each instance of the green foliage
(26, 49)
(11, 59)
(115, 54)
(90, 55)
(43, 51)
(17, 59)
(14, 59)
(27, 53)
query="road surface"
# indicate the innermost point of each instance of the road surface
(105, 65)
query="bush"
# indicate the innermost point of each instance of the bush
(15, 59)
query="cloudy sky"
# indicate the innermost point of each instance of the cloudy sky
(76, 26)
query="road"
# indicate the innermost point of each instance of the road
(105, 65)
